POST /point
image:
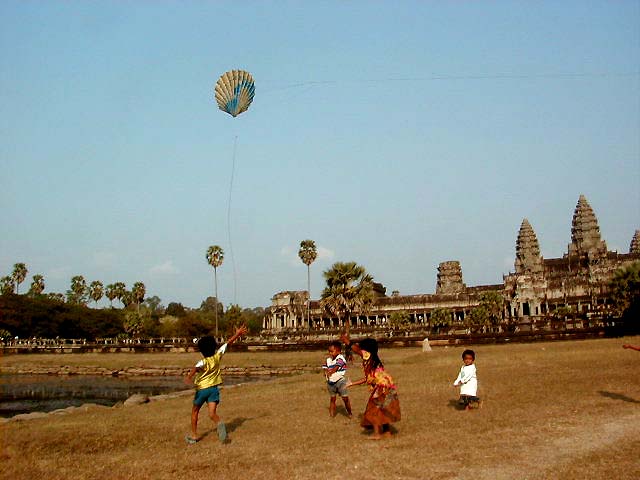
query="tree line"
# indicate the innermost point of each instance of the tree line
(349, 290)
(51, 315)
(79, 292)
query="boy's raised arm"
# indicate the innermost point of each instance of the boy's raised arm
(241, 330)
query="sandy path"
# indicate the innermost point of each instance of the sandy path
(569, 444)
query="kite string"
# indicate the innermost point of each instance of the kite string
(233, 262)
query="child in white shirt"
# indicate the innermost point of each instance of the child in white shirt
(468, 381)
(335, 369)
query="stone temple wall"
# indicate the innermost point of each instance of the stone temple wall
(578, 280)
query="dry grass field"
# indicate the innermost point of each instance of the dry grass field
(565, 410)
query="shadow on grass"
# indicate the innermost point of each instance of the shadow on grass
(368, 430)
(456, 405)
(618, 396)
(342, 411)
(236, 423)
(232, 426)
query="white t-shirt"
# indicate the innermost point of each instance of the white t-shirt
(468, 380)
(339, 362)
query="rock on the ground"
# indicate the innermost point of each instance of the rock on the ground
(136, 399)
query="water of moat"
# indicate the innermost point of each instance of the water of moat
(45, 393)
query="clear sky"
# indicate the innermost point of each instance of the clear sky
(394, 134)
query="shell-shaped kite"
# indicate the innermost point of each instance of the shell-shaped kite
(234, 92)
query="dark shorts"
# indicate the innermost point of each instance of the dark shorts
(208, 395)
(467, 399)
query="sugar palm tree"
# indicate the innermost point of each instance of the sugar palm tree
(37, 285)
(121, 291)
(78, 288)
(111, 293)
(127, 298)
(215, 257)
(19, 274)
(308, 253)
(6, 285)
(96, 291)
(349, 289)
(56, 297)
(138, 292)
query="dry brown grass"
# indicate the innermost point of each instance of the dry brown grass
(555, 410)
(118, 361)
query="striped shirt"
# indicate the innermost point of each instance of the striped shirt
(339, 362)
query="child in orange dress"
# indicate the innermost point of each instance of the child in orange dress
(383, 406)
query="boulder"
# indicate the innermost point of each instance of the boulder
(29, 416)
(136, 399)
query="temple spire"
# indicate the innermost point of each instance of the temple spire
(635, 243)
(450, 278)
(585, 232)
(528, 259)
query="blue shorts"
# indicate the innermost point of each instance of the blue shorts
(211, 394)
(338, 388)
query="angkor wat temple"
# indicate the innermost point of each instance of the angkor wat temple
(538, 286)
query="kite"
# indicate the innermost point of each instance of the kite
(234, 92)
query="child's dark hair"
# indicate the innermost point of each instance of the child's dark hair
(469, 352)
(207, 346)
(336, 344)
(371, 345)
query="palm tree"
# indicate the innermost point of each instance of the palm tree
(138, 292)
(624, 291)
(78, 288)
(127, 298)
(37, 285)
(215, 257)
(19, 274)
(441, 317)
(6, 285)
(121, 291)
(96, 291)
(56, 297)
(308, 254)
(349, 289)
(111, 293)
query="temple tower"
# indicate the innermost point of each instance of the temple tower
(528, 258)
(450, 278)
(635, 243)
(525, 289)
(585, 232)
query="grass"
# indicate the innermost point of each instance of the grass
(116, 361)
(567, 410)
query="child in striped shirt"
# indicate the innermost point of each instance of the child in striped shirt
(335, 370)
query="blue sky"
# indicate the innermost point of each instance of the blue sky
(395, 134)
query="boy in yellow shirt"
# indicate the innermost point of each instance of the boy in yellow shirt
(207, 379)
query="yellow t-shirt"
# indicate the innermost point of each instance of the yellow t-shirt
(209, 374)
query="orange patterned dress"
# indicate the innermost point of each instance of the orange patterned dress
(383, 406)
